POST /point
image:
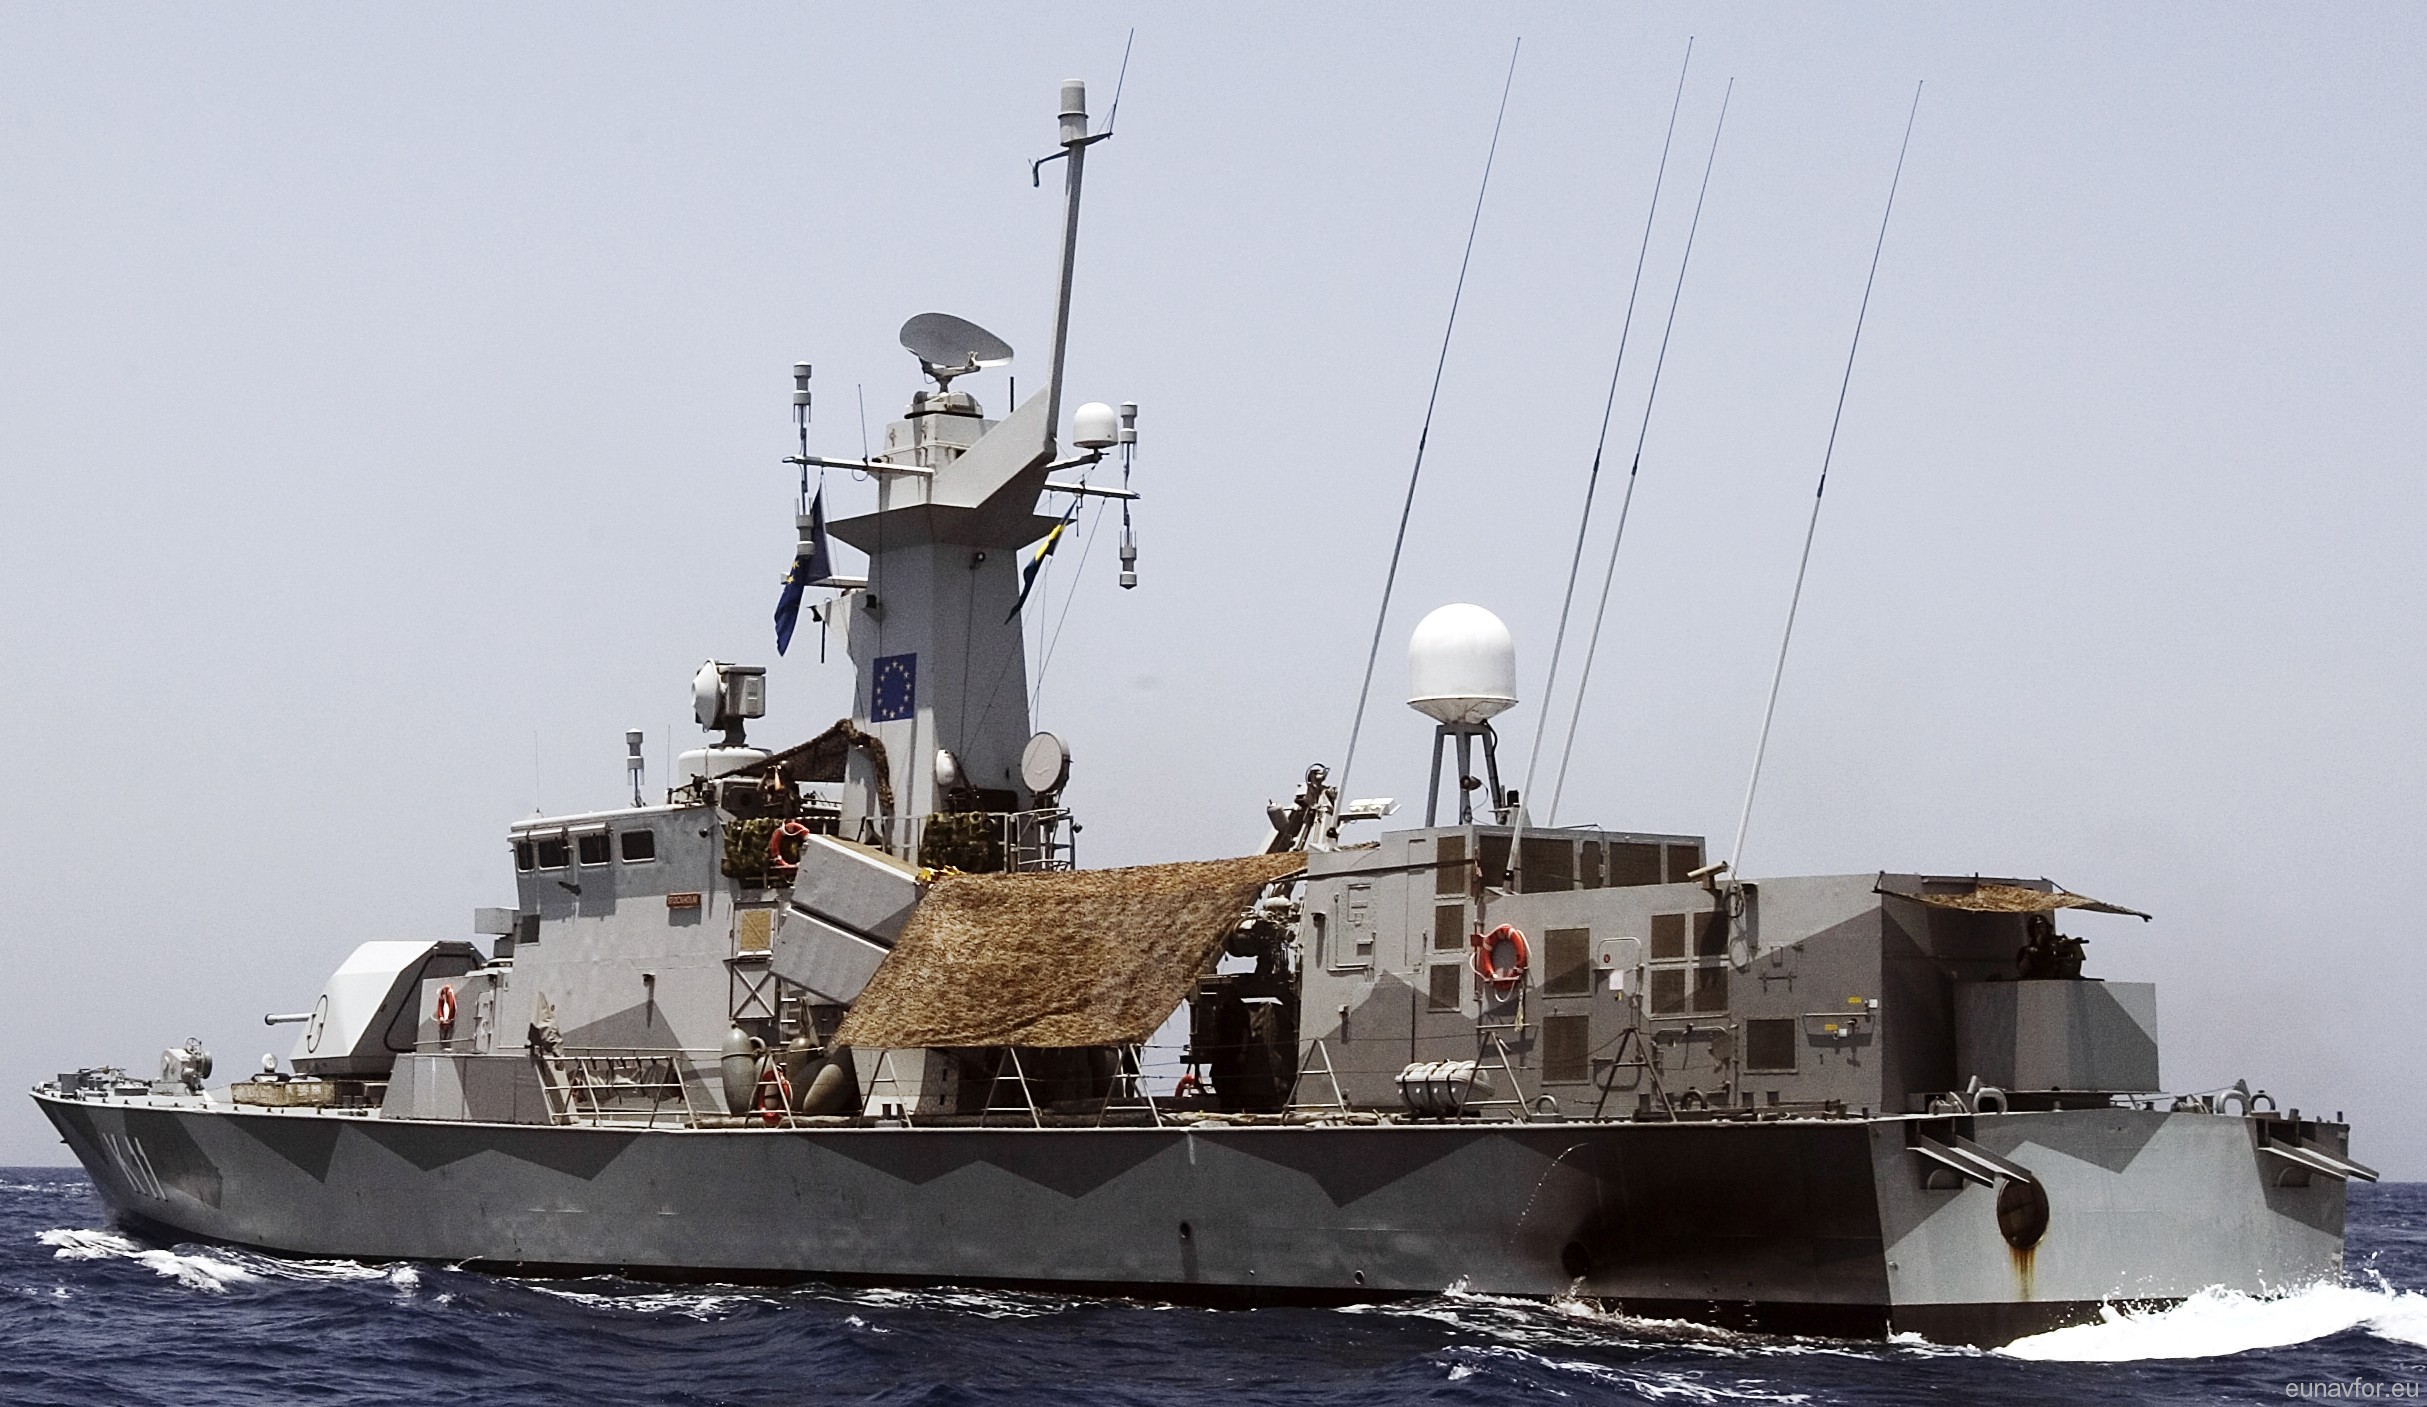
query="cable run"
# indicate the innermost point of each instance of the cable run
(1592, 481)
(1626, 505)
(1390, 578)
(1744, 821)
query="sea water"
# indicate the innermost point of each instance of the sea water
(89, 1316)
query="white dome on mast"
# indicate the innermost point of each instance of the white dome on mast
(1461, 666)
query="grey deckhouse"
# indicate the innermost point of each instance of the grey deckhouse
(850, 1011)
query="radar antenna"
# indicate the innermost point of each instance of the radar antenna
(947, 346)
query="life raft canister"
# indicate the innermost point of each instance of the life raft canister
(1487, 963)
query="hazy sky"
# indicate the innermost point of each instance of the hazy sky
(392, 400)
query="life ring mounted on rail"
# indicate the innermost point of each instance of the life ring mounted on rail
(445, 1013)
(1487, 957)
(792, 831)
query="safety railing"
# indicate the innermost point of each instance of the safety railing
(627, 1085)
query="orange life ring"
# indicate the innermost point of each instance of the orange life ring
(446, 1008)
(1487, 968)
(793, 831)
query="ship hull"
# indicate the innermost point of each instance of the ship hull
(1822, 1226)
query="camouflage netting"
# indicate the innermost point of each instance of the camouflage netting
(1081, 958)
(1993, 897)
(969, 841)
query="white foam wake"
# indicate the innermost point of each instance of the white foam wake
(201, 1272)
(2215, 1323)
(215, 1271)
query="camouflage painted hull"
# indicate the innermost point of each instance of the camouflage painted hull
(1820, 1226)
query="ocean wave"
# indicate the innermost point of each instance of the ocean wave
(703, 1305)
(981, 1304)
(1582, 1323)
(1654, 1384)
(2217, 1323)
(216, 1270)
(195, 1271)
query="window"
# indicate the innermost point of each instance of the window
(1689, 964)
(1448, 985)
(522, 855)
(1588, 865)
(1449, 927)
(639, 847)
(1769, 1046)
(1632, 863)
(593, 847)
(1566, 1049)
(1683, 861)
(1567, 962)
(554, 854)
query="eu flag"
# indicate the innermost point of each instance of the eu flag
(812, 563)
(895, 695)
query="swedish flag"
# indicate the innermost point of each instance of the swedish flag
(1028, 574)
(812, 563)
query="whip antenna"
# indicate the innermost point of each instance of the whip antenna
(1745, 821)
(1391, 577)
(1626, 504)
(1592, 481)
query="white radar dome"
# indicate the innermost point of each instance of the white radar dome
(1461, 666)
(1094, 426)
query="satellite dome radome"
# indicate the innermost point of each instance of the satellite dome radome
(1461, 666)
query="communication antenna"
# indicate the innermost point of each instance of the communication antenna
(1129, 444)
(632, 762)
(1786, 637)
(1626, 505)
(1609, 402)
(800, 405)
(1390, 578)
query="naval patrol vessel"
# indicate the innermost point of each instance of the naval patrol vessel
(850, 1011)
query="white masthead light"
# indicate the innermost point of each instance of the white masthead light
(1461, 666)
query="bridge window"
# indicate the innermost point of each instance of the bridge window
(593, 847)
(639, 847)
(554, 854)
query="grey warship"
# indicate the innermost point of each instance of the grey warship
(850, 1011)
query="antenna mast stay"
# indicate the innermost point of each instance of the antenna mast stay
(1744, 821)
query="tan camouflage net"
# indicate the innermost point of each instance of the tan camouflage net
(1992, 897)
(1081, 958)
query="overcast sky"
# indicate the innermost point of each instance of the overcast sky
(392, 400)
